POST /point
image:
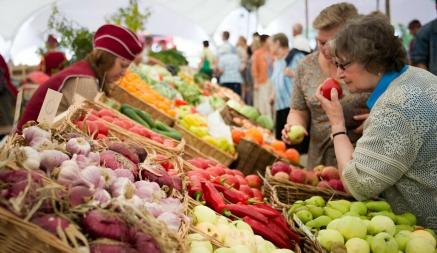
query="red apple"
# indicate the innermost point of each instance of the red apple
(257, 194)
(247, 190)
(336, 184)
(298, 176)
(280, 167)
(254, 181)
(241, 180)
(329, 84)
(330, 172)
(312, 178)
(281, 176)
(318, 170)
(324, 184)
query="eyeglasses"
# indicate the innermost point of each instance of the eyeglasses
(343, 66)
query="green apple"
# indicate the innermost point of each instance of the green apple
(304, 215)
(241, 225)
(321, 221)
(316, 201)
(384, 243)
(316, 211)
(282, 251)
(204, 214)
(296, 134)
(406, 219)
(419, 245)
(380, 224)
(327, 237)
(224, 250)
(403, 227)
(351, 227)
(402, 239)
(200, 250)
(332, 213)
(424, 234)
(358, 207)
(357, 245)
(241, 249)
(378, 206)
(209, 229)
(341, 205)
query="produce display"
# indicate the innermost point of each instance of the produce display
(170, 57)
(322, 177)
(143, 91)
(69, 188)
(236, 236)
(252, 113)
(369, 226)
(95, 124)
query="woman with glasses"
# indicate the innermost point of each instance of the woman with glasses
(397, 154)
(311, 72)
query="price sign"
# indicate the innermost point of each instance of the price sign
(49, 107)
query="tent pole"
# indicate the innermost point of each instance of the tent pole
(306, 19)
(387, 8)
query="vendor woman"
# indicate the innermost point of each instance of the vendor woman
(114, 48)
(397, 154)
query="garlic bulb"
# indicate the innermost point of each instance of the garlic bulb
(29, 158)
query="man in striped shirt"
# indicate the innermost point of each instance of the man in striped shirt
(282, 79)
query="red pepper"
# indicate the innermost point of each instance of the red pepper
(282, 223)
(265, 231)
(241, 210)
(268, 213)
(232, 195)
(212, 197)
(180, 102)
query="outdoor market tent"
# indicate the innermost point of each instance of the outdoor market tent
(23, 23)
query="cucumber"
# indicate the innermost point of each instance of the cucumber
(162, 126)
(133, 115)
(146, 117)
(172, 134)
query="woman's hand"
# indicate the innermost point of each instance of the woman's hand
(333, 109)
(363, 118)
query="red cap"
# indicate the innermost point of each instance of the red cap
(118, 40)
(52, 41)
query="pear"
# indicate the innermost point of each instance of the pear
(369, 239)
(327, 237)
(426, 235)
(316, 211)
(304, 215)
(357, 245)
(341, 205)
(338, 248)
(402, 239)
(332, 213)
(359, 207)
(295, 206)
(352, 227)
(224, 250)
(378, 206)
(405, 219)
(389, 214)
(351, 213)
(419, 245)
(316, 201)
(384, 243)
(204, 214)
(241, 249)
(241, 225)
(403, 227)
(321, 221)
(202, 244)
(380, 224)
(333, 224)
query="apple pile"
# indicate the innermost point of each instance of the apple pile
(95, 124)
(234, 180)
(237, 236)
(363, 227)
(323, 177)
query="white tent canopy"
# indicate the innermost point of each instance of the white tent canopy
(23, 23)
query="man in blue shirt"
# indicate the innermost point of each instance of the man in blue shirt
(424, 54)
(282, 79)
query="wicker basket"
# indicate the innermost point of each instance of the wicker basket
(282, 194)
(117, 131)
(18, 235)
(253, 158)
(228, 114)
(205, 148)
(123, 96)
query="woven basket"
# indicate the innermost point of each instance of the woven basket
(18, 235)
(205, 148)
(283, 194)
(253, 158)
(123, 96)
(228, 114)
(116, 131)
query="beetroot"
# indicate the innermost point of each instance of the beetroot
(50, 222)
(114, 160)
(124, 149)
(99, 223)
(110, 246)
(157, 174)
(79, 194)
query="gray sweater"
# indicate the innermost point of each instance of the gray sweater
(397, 154)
